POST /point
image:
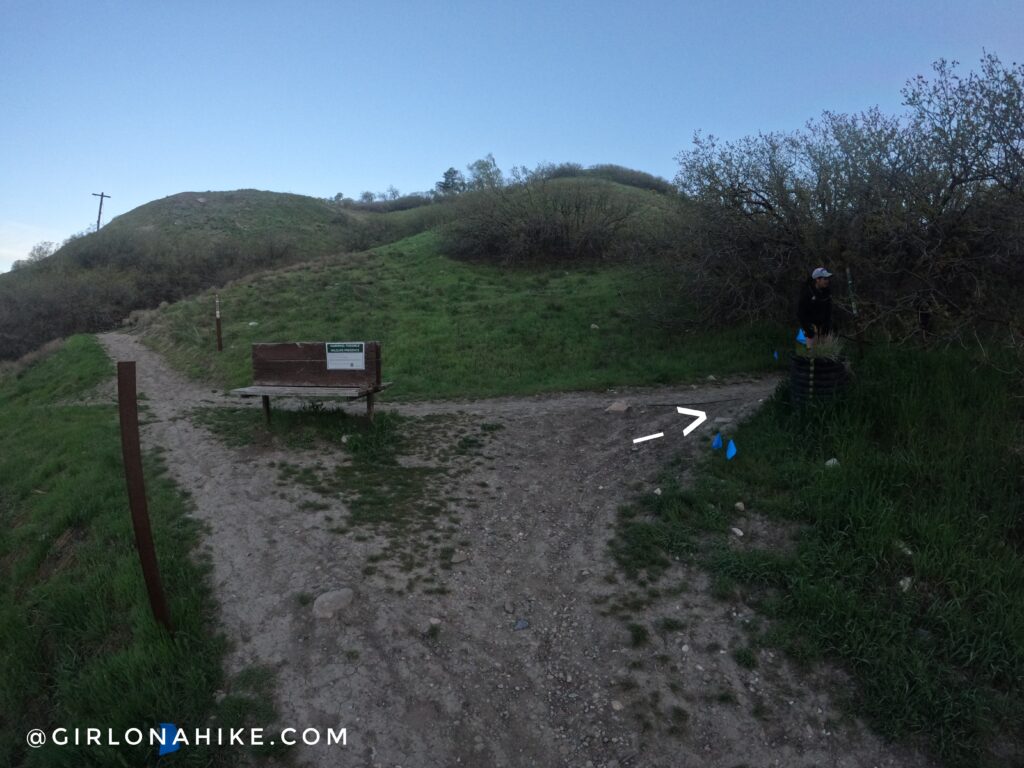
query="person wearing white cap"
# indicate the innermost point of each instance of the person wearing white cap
(815, 308)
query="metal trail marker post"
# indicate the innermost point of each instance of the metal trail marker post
(128, 411)
(216, 311)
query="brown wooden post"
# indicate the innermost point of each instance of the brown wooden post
(376, 376)
(266, 408)
(128, 410)
(220, 340)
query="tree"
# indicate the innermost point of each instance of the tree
(367, 197)
(452, 183)
(41, 250)
(925, 207)
(484, 174)
(78, 235)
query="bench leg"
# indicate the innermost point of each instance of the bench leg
(369, 406)
(266, 408)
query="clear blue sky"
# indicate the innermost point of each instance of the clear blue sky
(145, 99)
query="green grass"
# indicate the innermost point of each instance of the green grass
(670, 624)
(359, 476)
(931, 462)
(638, 634)
(455, 329)
(78, 643)
(245, 216)
(313, 426)
(657, 530)
(375, 487)
(298, 226)
(745, 657)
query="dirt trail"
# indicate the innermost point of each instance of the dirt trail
(429, 680)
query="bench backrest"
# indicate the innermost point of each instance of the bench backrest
(304, 364)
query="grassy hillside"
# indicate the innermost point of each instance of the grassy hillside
(451, 328)
(171, 248)
(909, 567)
(78, 643)
(908, 570)
(297, 226)
(245, 217)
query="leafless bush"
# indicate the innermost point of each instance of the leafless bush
(925, 210)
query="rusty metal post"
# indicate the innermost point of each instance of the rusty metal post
(128, 410)
(266, 408)
(220, 340)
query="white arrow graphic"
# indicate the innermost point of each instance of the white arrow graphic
(701, 418)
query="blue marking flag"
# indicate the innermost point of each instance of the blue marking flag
(775, 354)
(731, 451)
(717, 442)
(800, 337)
(168, 733)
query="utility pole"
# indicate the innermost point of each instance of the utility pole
(100, 195)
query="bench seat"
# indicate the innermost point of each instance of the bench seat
(301, 369)
(349, 393)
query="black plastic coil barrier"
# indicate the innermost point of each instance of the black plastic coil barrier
(815, 378)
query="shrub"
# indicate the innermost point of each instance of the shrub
(825, 346)
(542, 221)
(923, 208)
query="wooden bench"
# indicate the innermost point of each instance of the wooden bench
(320, 370)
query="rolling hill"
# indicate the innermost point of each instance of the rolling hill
(169, 249)
(172, 248)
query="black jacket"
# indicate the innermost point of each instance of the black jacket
(815, 310)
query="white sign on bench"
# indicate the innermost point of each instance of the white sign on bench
(346, 356)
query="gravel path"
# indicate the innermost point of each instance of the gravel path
(428, 679)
